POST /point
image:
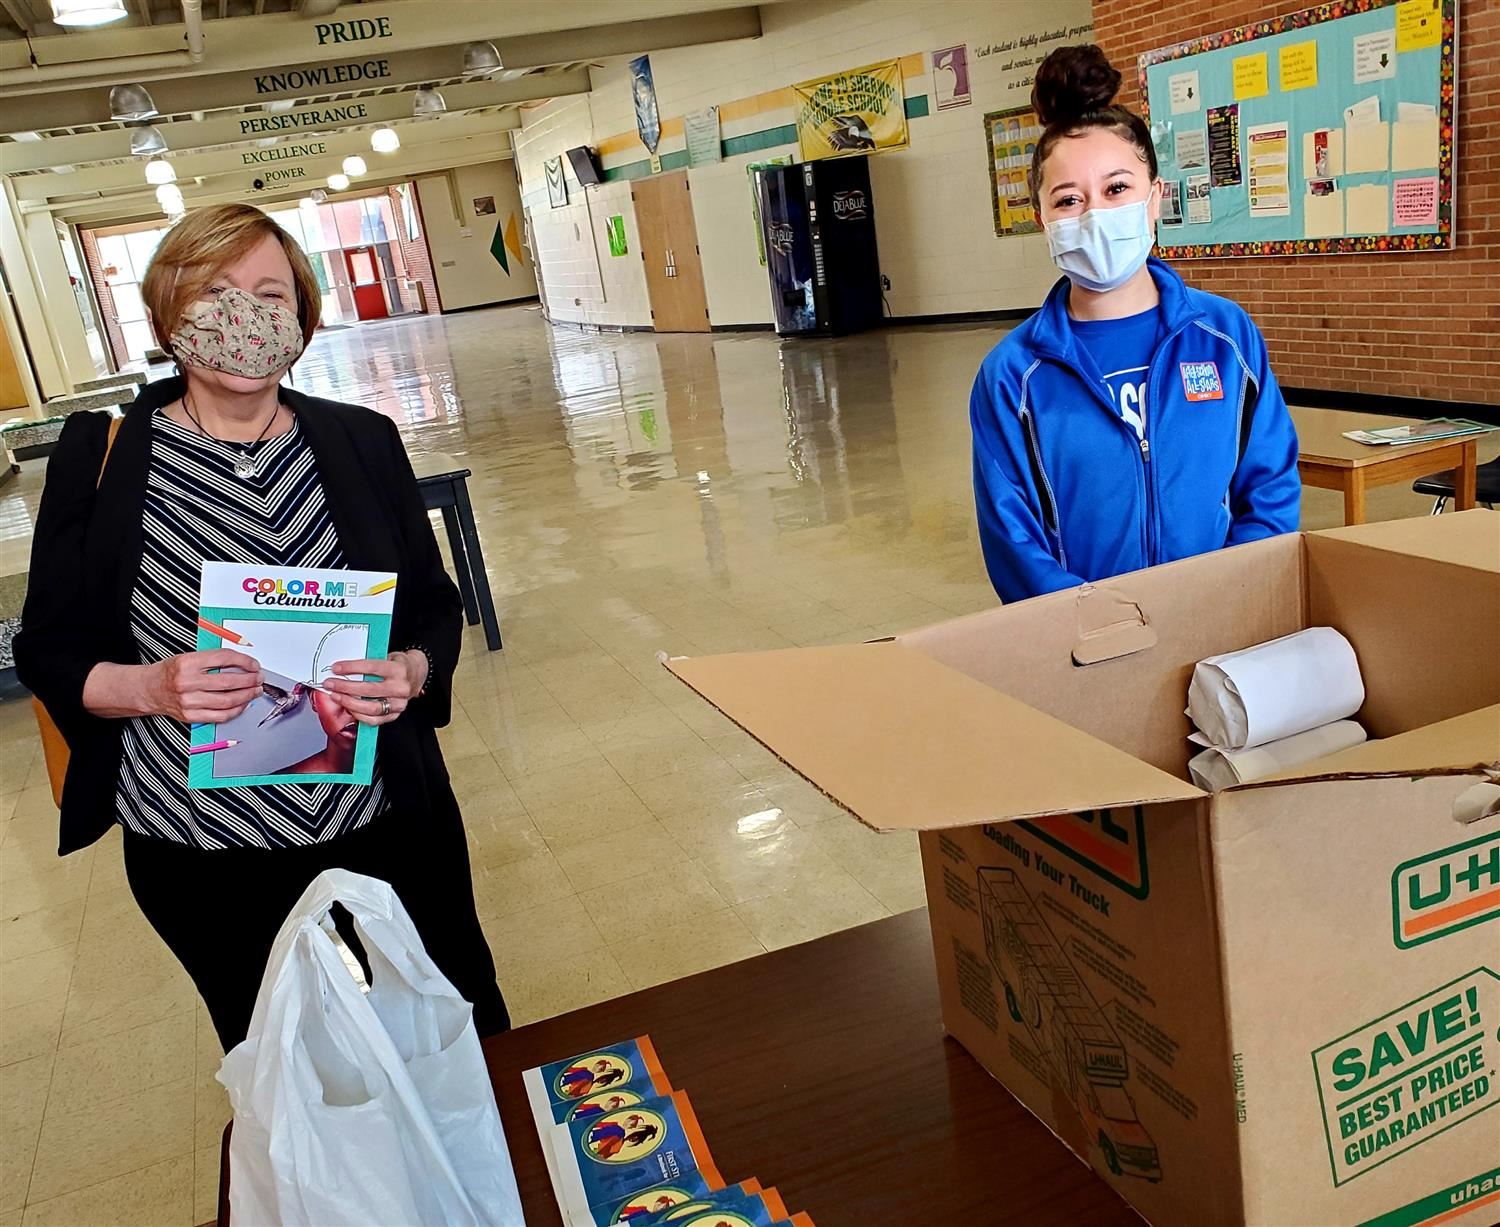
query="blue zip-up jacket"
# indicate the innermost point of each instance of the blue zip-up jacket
(1068, 493)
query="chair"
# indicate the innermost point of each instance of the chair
(1441, 486)
(445, 487)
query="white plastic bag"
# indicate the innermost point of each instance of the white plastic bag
(362, 1109)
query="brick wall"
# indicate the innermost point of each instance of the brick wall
(106, 296)
(414, 251)
(1423, 325)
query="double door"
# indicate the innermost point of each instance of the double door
(669, 248)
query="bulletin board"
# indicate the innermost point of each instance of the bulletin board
(1324, 132)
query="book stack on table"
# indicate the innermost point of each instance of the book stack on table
(622, 1146)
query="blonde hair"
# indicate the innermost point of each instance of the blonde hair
(202, 245)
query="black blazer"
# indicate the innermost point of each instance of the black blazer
(87, 549)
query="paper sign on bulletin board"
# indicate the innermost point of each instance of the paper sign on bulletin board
(1326, 131)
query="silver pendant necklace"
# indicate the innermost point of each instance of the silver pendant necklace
(246, 466)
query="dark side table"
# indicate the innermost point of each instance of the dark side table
(444, 483)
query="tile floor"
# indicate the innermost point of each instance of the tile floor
(636, 494)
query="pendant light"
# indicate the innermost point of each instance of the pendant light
(317, 195)
(86, 13)
(159, 171)
(169, 196)
(339, 183)
(385, 140)
(481, 59)
(427, 102)
(354, 166)
(147, 140)
(131, 102)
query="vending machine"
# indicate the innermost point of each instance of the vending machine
(818, 225)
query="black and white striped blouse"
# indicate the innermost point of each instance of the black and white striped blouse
(197, 509)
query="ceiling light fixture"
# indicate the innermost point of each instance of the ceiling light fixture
(87, 12)
(317, 195)
(339, 183)
(159, 170)
(147, 140)
(169, 196)
(385, 140)
(354, 166)
(427, 102)
(481, 59)
(127, 102)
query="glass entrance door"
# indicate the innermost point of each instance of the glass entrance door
(123, 259)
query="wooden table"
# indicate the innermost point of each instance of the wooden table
(1331, 462)
(822, 1069)
(444, 483)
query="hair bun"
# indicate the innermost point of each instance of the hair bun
(1071, 82)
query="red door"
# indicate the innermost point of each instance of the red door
(364, 276)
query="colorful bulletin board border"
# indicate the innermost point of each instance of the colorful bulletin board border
(1440, 237)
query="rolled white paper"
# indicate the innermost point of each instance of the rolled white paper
(1215, 769)
(1276, 689)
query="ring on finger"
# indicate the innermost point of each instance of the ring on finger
(385, 706)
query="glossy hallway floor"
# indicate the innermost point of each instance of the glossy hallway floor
(636, 494)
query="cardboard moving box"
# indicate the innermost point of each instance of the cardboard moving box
(1277, 1005)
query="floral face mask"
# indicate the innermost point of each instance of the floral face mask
(239, 334)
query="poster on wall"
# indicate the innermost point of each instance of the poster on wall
(860, 111)
(643, 90)
(484, 206)
(701, 128)
(507, 241)
(1011, 137)
(950, 77)
(614, 229)
(557, 183)
(408, 215)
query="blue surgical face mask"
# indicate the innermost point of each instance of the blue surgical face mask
(1102, 249)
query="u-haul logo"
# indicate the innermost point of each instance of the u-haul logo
(1445, 891)
(1111, 842)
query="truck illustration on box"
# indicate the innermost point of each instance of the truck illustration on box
(1044, 994)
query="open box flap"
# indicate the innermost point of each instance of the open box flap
(1466, 743)
(1466, 538)
(906, 743)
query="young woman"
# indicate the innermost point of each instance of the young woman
(223, 463)
(1132, 420)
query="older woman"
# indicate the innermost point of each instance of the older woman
(224, 464)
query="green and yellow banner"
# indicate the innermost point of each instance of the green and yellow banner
(860, 111)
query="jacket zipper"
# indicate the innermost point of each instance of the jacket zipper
(1153, 535)
(1146, 482)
